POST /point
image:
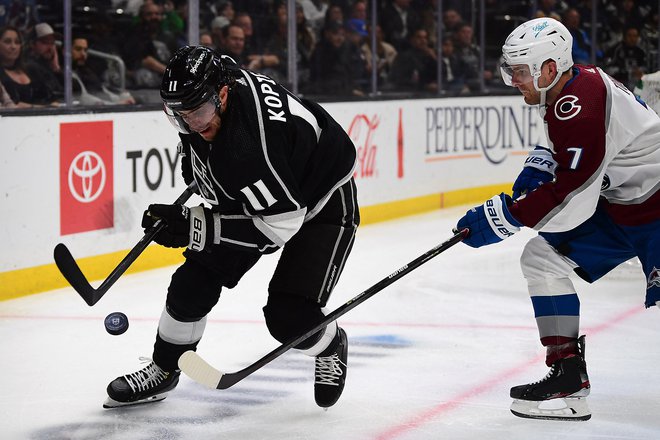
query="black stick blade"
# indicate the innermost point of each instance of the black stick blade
(70, 270)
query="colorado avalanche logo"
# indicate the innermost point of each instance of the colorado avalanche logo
(654, 278)
(567, 107)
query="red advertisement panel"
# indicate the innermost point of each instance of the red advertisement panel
(86, 170)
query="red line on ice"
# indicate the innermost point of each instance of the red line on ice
(425, 416)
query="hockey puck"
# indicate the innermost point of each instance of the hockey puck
(116, 323)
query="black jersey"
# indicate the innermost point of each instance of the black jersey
(272, 166)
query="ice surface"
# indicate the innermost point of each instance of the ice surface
(431, 357)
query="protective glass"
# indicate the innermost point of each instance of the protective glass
(516, 74)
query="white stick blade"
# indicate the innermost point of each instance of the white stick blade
(199, 370)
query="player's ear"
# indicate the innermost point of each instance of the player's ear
(551, 65)
(222, 94)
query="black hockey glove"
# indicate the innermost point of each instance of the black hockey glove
(191, 227)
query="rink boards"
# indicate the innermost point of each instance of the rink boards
(85, 179)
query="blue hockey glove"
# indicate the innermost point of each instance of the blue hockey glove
(191, 227)
(489, 223)
(539, 169)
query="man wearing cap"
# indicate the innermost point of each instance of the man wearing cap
(43, 61)
(356, 34)
(218, 24)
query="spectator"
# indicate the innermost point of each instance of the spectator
(218, 30)
(359, 11)
(278, 46)
(453, 72)
(234, 44)
(5, 99)
(43, 60)
(581, 40)
(549, 8)
(331, 72)
(24, 90)
(225, 9)
(385, 55)
(215, 9)
(334, 14)
(356, 34)
(175, 16)
(104, 40)
(270, 60)
(398, 19)
(89, 86)
(415, 68)
(306, 43)
(314, 11)
(150, 48)
(469, 56)
(273, 61)
(629, 15)
(22, 14)
(206, 39)
(244, 21)
(626, 61)
(608, 33)
(428, 16)
(451, 20)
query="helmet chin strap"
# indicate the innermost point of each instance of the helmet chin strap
(543, 91)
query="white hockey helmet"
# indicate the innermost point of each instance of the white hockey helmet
(534, 42)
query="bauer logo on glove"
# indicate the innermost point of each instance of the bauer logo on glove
(197, 230)
(489, 223)
(191, 227)
(539, 168)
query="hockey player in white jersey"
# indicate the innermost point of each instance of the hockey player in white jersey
(593, 195)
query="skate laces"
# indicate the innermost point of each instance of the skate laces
(149, 376)
(547, 376)
(329, 369)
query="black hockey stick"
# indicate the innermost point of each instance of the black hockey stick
(202, 372)
(71, 271)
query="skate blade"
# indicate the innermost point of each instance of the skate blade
(110, 403)
(567, 408)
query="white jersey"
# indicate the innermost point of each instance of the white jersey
(607, 146)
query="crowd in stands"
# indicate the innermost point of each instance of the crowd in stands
(334, 47)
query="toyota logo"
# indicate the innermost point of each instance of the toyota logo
(85, 168)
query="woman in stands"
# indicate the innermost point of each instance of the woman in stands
(24, 90)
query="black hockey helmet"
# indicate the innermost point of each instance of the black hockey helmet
(191, 81)
(192, 76)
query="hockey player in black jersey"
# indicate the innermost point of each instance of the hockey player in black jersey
(277, 172)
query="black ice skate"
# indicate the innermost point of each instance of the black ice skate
(330, 371)
(560, 395)
(149, 384)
